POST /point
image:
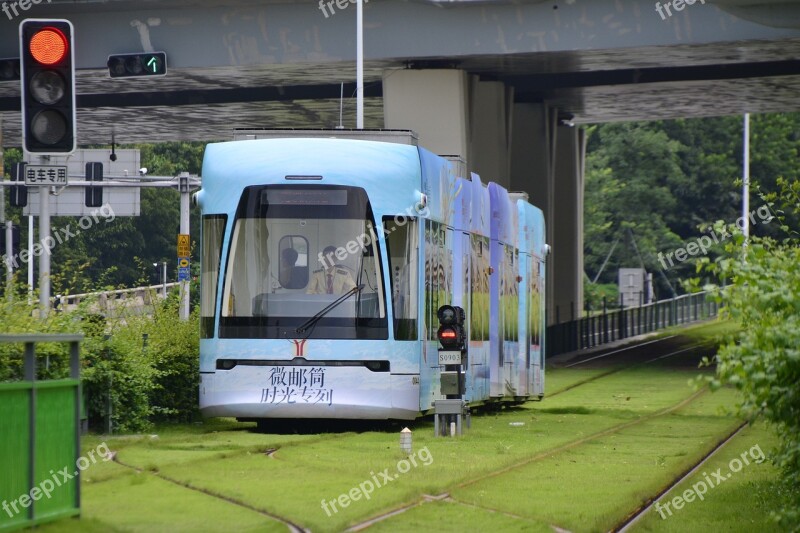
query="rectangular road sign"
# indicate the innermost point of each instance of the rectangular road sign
(183, 273)
(184, 245)
(46, 175)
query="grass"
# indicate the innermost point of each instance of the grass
(582, 460)
(613, 474)
(327, 467)
(449, 516)
(742, 503)
(143, 502)
(557, 380)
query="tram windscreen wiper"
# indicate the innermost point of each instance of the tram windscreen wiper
(314, 319)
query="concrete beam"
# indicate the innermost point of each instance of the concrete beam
(266, 33)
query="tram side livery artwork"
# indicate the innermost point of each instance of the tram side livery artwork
(324, 262)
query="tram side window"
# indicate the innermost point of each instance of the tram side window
(535, 301)
(402, 243)
(213, 234)
(510, 296)
(479, 274)
(437, 264)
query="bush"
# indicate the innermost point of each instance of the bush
(116, 370)
(594, 293)
(150, 364)
(762, 359)
(146, 367)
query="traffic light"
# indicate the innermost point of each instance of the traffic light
(9, 69)
(130, 65)
(19, 193)
(451, 332)
(48, 86)
(94, 195)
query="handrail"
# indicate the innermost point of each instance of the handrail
(610, 326)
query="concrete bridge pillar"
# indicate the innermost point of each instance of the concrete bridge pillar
(520, 146)
(454, 114)
(491, 104)
(567, 261)
(547, 162)
(434, 103)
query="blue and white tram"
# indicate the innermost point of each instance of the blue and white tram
(292, 328)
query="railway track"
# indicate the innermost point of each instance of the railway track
(291, 526)
(697, 346)
(613, 357)
(634, 517)
(575, 443)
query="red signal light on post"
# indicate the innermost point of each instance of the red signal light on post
(49, 46)
(47, 74)
(448, 334)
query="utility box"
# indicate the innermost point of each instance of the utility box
(633, 287)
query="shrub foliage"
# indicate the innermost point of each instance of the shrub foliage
(140, 368)
(762, 359)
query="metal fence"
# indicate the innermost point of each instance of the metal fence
(39, 438)
(606, 327)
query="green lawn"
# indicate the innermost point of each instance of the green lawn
(742, 502)
(580, 460)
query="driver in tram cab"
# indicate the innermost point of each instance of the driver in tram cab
(331, 279)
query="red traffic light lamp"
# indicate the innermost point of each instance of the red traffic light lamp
(47, 73)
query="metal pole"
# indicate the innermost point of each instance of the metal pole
(165, 279)
(184, 286)
(9, 268)
(44, 258)
(30, 257)
(360, 64)
(746, 181)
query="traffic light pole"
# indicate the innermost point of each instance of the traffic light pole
(44, 237)
(7, 226)
(9, 251)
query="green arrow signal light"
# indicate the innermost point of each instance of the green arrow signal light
(137, 65)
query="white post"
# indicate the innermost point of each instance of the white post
(360, 64)
(184, 228)
(746, 180)
(164, 279)
(9, 268)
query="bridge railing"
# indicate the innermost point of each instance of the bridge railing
(605, 327)
(111, 303)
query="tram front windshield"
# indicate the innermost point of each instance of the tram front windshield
(294, 251)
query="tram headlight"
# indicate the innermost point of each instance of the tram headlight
(226, 364)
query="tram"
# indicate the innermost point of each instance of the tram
(324, 262)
